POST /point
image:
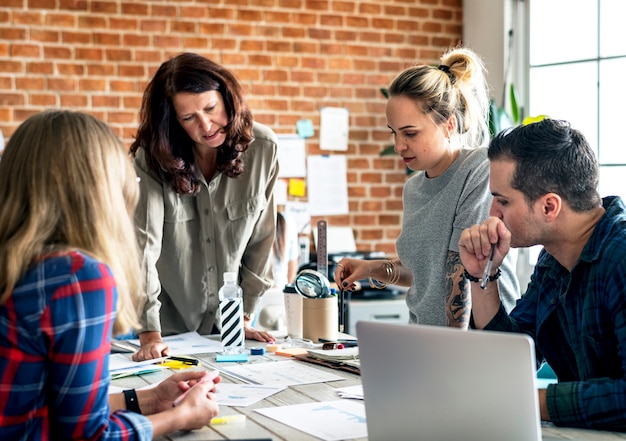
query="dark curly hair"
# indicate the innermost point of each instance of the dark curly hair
(168, 148)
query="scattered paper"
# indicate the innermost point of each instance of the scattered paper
(240, 395)
(122, 365)
(279, 373)
(352, 392)
(327, 185)
(329, 420)
(334, 123)
(188, 343)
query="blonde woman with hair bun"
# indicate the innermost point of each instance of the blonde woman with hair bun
(69, 278)
(437, 115)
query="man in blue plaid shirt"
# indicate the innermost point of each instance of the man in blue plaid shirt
(544, 179)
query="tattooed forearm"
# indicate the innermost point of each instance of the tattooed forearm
(458, 297)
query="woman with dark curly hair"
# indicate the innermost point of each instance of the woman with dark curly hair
(206, 206)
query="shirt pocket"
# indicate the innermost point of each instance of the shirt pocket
(181, 209)
(243, 215)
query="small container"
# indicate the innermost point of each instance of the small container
(320, 318)
(293, 311)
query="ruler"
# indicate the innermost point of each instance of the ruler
(321, 248)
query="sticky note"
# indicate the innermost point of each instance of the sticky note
(290, 352)
(304, 127)
(231, 357)
(297, 187)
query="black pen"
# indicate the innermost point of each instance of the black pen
(184, 360)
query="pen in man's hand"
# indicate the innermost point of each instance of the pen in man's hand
(483, 283)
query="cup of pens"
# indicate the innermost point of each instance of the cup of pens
(320, 312)
(320, 318)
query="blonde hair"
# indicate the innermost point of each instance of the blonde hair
(67, 183)
(457, 87)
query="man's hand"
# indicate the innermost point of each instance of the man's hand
(255, 334)
(475, 245)
(152, 346)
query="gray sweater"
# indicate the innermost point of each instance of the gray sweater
(436, 211)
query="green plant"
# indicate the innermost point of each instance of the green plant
(499, 118)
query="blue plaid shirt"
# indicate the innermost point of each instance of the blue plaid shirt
(578, 323)
(55, 334)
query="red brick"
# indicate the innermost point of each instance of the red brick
(37, 67)
(43, 100)
(30, 83)
(104, 7)
(73, 100)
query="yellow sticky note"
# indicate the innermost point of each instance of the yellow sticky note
(297, 187)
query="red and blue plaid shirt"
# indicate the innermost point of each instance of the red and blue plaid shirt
(55, 334)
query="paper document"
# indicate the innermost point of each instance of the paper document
(122, 365)
(188, 343)
(279, 373)
(329, 420)
(240, 395)
(353, 392)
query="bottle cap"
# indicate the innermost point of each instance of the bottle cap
(230, 277)
(290, 288)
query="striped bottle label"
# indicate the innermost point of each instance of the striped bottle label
(233, 335)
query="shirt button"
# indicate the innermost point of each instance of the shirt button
(211, 269)
(208, 240)
(206, 211)
(553, 301)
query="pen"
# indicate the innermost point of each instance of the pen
(184, 360)
(229, 419)
(483, 283)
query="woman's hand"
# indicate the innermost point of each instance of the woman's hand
(170, 389)
(349, 271)
(185, 401)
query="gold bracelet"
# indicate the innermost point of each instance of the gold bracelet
(392, 276)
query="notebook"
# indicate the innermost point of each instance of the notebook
(434, 383)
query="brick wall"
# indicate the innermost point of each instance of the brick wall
(292, 56)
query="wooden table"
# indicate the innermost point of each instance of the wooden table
(258, 426)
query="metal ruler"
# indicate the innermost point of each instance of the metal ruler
(321, 248)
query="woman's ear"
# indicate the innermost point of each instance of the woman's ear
(450, 127)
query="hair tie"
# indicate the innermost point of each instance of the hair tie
(446, 69)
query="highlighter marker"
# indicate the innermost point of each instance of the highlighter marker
(229, 419)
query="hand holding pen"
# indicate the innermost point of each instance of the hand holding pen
(487, 273)
(209, 376)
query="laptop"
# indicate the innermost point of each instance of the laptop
(434, 383)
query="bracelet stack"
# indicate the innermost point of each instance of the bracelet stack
(393, 276)
(493, 278)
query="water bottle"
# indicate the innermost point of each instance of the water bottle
(231, 315)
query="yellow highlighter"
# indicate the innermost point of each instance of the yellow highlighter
(229, 419)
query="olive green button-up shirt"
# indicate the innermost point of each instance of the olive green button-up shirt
(188, 242)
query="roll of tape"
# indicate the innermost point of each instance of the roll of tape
(272, 348)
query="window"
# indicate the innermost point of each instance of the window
(577, 57)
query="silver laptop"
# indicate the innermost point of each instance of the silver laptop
(433, 383)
